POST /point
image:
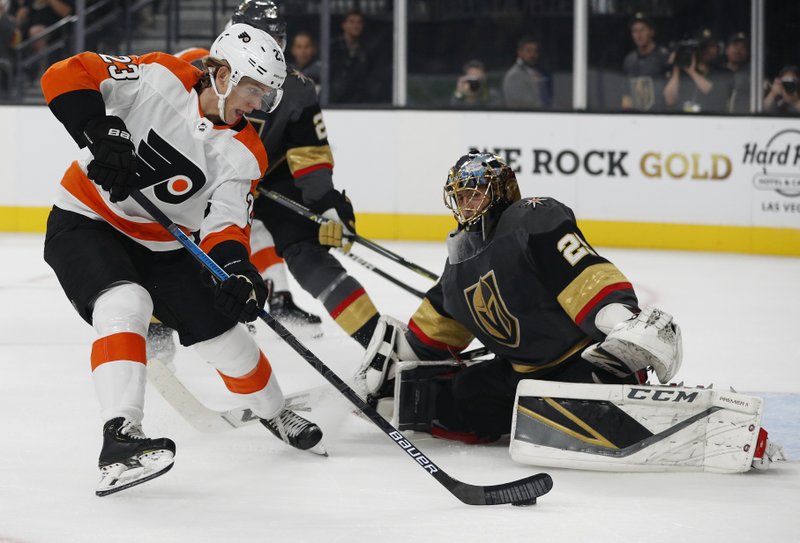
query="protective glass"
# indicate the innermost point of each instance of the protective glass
(258, 96)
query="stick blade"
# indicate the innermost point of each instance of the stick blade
(520, 492)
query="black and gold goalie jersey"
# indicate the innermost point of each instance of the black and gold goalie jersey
(296, 141)
(529, 293)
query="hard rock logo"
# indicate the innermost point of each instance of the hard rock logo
(778, 159)
(490, 313)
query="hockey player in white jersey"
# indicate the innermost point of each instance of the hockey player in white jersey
(263, 14)
(177, 134)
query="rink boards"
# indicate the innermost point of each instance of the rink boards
(672, 182)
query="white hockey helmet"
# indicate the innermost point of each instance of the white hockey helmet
(252, 53)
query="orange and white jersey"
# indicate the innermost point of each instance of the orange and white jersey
(201, 175)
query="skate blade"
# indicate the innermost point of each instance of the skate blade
(117, 477)
(319, 449)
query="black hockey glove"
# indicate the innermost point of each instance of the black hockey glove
(336, 207)
(114, 164)
(242, 295)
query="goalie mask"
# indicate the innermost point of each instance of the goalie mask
(262, 14)
(254, 54)
(478, 184)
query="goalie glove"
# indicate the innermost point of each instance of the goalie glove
(114, 163)
(341, 223)
(386, 348)
(650, 339)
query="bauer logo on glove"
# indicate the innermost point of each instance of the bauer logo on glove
(114, 163)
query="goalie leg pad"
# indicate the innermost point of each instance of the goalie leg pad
(417, 388)
(634, 427)
(767, 451)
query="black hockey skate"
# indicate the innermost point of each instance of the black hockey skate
(129, 458)
(283, 308)
(296, 431)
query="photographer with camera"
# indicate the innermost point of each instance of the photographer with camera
(784, 94)
(697, 84)
(472, 88)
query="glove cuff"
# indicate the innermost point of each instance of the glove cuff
(101, 126)
(229, 252)
(329, 200)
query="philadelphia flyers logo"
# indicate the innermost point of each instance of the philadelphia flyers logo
(174, 177)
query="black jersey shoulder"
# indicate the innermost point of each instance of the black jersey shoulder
(298, 90)
(535, 215)
(299, 97)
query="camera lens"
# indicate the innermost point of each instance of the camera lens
(473, 84)
(683, 57)
(789, 86)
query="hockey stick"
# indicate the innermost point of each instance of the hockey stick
(319, 219)
(205, 419)
(385, 275)
(521, 492)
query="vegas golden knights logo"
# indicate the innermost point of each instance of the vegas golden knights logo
(489, 311)
(643, 93)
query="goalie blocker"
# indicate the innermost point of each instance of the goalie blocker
(638, 428)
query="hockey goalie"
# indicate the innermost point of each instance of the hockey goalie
(571, 349)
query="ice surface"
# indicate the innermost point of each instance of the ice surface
(740, 326)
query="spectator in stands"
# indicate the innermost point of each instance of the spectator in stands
(737, 54)
(33, 18)
(784, 96)
(350, 73)
(697, 84)
(304, 53)
(9, 35)
(472, 88)
(526, 85)
(645, 68)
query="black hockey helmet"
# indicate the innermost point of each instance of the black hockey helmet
(478, 183)
(262, 14)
